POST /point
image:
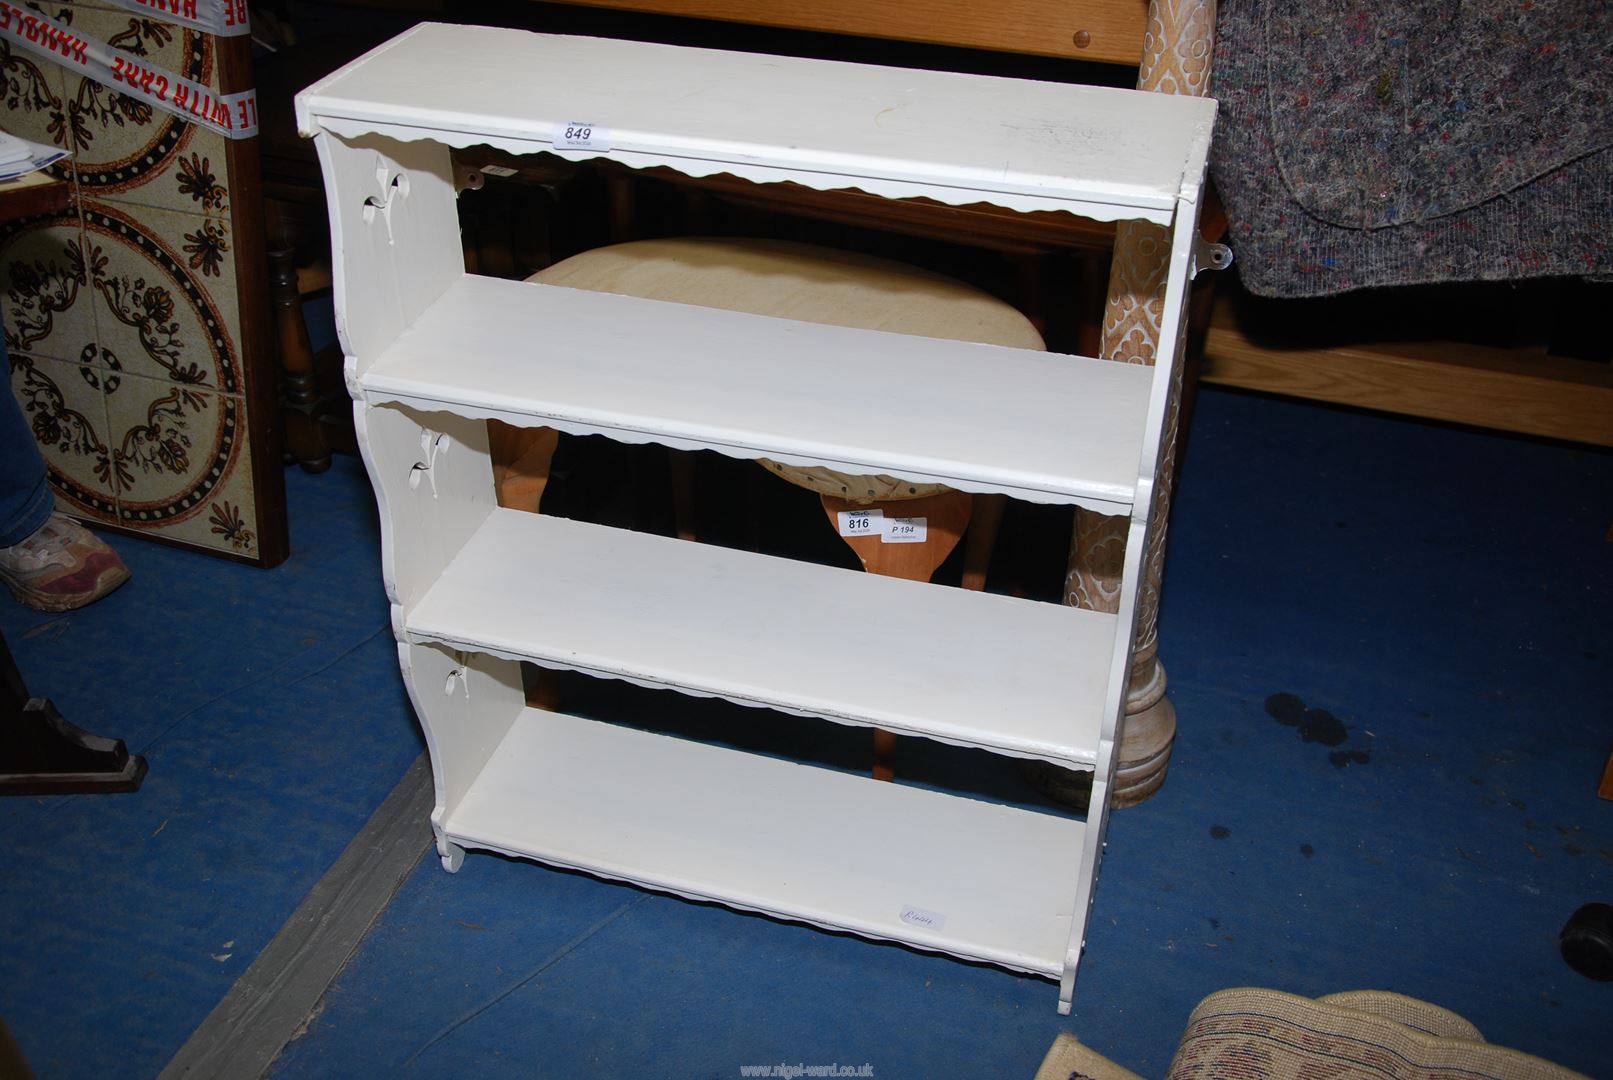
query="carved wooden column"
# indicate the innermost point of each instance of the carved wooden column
(1176, 60)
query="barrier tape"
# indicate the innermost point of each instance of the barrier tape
(226, 18)
(234, 116)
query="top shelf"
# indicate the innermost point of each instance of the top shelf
(959, 139)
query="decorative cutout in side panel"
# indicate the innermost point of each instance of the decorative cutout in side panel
(388, 196)
(432, 497)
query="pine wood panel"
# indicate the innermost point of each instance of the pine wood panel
(1529, 393)
(1080, 29)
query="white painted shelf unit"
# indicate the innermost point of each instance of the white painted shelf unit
(433, 352)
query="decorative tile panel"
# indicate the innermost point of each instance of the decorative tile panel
(165, 298)
(44, 289)
(181, 464)
(123, 316)
(123, 149)
(65, 405)
(35, 101)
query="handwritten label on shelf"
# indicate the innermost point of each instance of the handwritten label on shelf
(906, 530)
(929, 920)
(862, 522)
(581, 135)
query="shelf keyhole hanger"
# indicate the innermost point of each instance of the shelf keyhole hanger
(457, 677)
(432, 443)
(393, 191)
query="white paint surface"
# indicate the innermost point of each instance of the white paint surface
(958, 138)
(975, 669)
(797, 841)
(1040, 426)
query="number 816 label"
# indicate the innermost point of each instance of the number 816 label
(862, 523)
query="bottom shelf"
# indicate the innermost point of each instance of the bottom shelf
(936, 871)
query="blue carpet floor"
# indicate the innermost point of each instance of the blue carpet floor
(1388, 643)
(268, 706)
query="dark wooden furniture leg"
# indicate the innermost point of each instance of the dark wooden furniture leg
(42, 754)
(305, 438)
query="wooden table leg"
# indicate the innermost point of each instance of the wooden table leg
(299, 390)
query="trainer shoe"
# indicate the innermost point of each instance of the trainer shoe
(60, 567)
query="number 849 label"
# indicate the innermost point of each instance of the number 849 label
(581, 135)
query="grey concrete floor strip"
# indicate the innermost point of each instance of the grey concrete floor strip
(275, 996)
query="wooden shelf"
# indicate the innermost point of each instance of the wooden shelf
(1015, 676)
(796, 841)
(1038, 426)
(896, 132)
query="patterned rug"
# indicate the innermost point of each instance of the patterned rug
(1251, 1034)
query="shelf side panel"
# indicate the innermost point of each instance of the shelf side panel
(434, 482)
(466, 706)
(394, 236)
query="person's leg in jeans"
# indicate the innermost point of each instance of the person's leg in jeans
(25, 498)
(48, 561)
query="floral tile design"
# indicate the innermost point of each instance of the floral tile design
(126, 151)
(65, 405)
(180, 463)
(44, 289)
(165, 300)
(35, 100)
(121, 314)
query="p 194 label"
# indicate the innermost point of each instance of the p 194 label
(906, 530)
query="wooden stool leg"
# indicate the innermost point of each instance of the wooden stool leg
(983, 525)
(680, 466)
(945, 517)
(521, 460)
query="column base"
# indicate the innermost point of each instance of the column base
(1145, 757)
(1145, 754)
